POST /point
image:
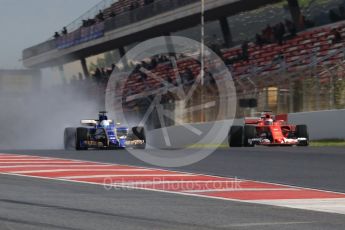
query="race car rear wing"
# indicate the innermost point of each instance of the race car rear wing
(93, 122)
(251, 120)
(256, 120)
(89, 122)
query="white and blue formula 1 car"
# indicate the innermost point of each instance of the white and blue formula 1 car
(103, 134)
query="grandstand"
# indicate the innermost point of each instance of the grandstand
(302, 72)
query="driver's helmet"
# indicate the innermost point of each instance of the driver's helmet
(105, 124)
(269, 121)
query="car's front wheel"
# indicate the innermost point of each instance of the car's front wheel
(249, 133)
(139, 134)
(302, 132)
(235, 137)
(69, 138)
(81, 135)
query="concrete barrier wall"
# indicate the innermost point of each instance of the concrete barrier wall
(212, 133)
(322, 125)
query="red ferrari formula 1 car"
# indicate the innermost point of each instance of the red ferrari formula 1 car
(268, 130)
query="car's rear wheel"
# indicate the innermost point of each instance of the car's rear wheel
(249, 133)
(69, 138)
(139, 134)
(81, 135)
(235, 137)
(302, 132)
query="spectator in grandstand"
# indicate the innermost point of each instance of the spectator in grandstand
(259, 40)
(113, 67)
(306, 23)
(279, 58)
(190, 75)
(208, 77)
(103, 72)
(154, 62)
(169, 80)
(245, 53)
(64, 30)
(187, 77)
(333, 16)
(136, 68)
(100, 16)
(146, 65)
(147, 2)
(56, 35)
(337, 36)
(163, 59)
(291, 27)
(279, 32)
(277, 35)
(341, 11)
(108, 72)
(216, 45)
(143, 77)
(267, 33)
(112, 14)
(98, 75)
(210, 82)
(234, 59)
(134, 5)
(89, 22)
(84, 23)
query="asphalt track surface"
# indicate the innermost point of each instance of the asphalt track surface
(29, 203)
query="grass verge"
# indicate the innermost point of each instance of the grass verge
(328, 143)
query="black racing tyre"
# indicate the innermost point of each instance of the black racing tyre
(139, 134)
(235, 137)
(69, 138)
(249, 133)
(81, 135)
(302, 131)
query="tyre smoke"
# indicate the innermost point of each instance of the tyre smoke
(37, 120)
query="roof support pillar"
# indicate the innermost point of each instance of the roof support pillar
(295, 11)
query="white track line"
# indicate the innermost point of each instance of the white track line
(15, 156)
(239, 189)
(23, 159)
(57, 165)
(38, 162)
(125, 175)
(82, 170)
(334, 205)
(158, 182)
(27, 159)
(261, 224)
